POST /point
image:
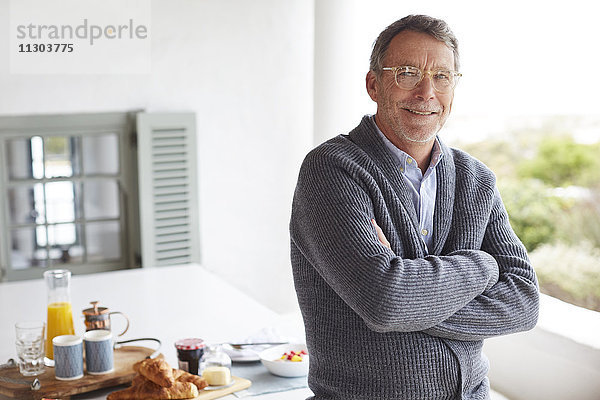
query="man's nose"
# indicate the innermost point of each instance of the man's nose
(424, 90)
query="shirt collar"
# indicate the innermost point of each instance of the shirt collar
(402, 157)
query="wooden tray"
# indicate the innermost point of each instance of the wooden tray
(52, 388)
(125, 357)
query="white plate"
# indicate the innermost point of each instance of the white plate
(245, 354)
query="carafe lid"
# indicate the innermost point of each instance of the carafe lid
(95, 310)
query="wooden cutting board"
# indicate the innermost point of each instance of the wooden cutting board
(125, 357)
(238, 384)
(52, 388)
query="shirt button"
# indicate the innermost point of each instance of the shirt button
(409, 160)
(424, 232)
(401, 169)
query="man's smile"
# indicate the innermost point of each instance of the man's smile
(420, 112)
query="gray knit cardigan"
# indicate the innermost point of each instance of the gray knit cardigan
(403, 323)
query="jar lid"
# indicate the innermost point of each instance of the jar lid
(189, 344)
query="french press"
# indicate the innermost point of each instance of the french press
(99, 318)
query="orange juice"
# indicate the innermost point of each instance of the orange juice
(60, 322)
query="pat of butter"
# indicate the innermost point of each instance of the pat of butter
(217, 376)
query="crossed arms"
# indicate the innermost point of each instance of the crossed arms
(467, 294)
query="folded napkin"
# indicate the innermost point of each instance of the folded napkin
(263, 381)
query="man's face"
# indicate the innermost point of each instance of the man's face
(412, 115)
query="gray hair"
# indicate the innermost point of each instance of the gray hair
(418, 23)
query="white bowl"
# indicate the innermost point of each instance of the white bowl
(271, 358)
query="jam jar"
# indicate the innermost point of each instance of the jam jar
(189, 354)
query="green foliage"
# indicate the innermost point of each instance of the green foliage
(561, 230)
(569, 273)
(531, 211)
(57, 145)
(580, 221)
(561, 162)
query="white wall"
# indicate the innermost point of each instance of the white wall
(542, 365)
(245, 69)
(559, 359)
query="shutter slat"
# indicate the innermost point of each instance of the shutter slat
(171, 198)
(173, 261)
(173, 237)
(181, 180)
(169, 215)
(171, 231)
(171, 190)
(170, 205)
(168, 223)
(172, 246)
(164, 158)
(179, 252)
(168, 141)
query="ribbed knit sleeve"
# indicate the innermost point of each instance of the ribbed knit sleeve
(331, 226)
(512, 304)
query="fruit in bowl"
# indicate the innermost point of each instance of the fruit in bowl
(293, 356)
(287, 360)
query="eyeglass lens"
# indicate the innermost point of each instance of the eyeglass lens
(409, 77)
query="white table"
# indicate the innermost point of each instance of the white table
(167, 303)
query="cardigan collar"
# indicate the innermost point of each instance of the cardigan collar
(366, 137)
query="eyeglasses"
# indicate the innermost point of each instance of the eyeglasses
(408, 77)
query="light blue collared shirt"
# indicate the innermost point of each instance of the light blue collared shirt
(423, 187)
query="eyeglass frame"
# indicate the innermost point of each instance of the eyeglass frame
(429, 72)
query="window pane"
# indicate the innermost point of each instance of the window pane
(61, 235)
(66, 255)
(60, 202)
(24, 252)
(59, 156)
(37, 157)
(64, 242)
(26, 204)
(101, 199)
(103, 241)
(40, 236)
(100, 154)
(18, 158)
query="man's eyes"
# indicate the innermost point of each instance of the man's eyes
(442, 75)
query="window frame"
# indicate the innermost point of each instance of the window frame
(93, 124)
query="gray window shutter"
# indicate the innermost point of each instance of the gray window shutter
(168, 188)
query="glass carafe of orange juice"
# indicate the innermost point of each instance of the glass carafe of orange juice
(60, 314)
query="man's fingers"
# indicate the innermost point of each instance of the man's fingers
(380, 235)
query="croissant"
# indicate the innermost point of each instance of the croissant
(155, 370)
(152, 378)
(148, 390)
(184, 376)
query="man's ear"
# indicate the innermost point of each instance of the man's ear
(372, 85)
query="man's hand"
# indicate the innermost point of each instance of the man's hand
(380, 235)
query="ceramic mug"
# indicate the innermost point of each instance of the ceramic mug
(68, 357)
(99, 358)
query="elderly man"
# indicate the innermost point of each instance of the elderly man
(403, 257)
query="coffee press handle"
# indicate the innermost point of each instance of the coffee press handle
(126, 319)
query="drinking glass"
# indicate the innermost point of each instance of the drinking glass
(30, 347)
